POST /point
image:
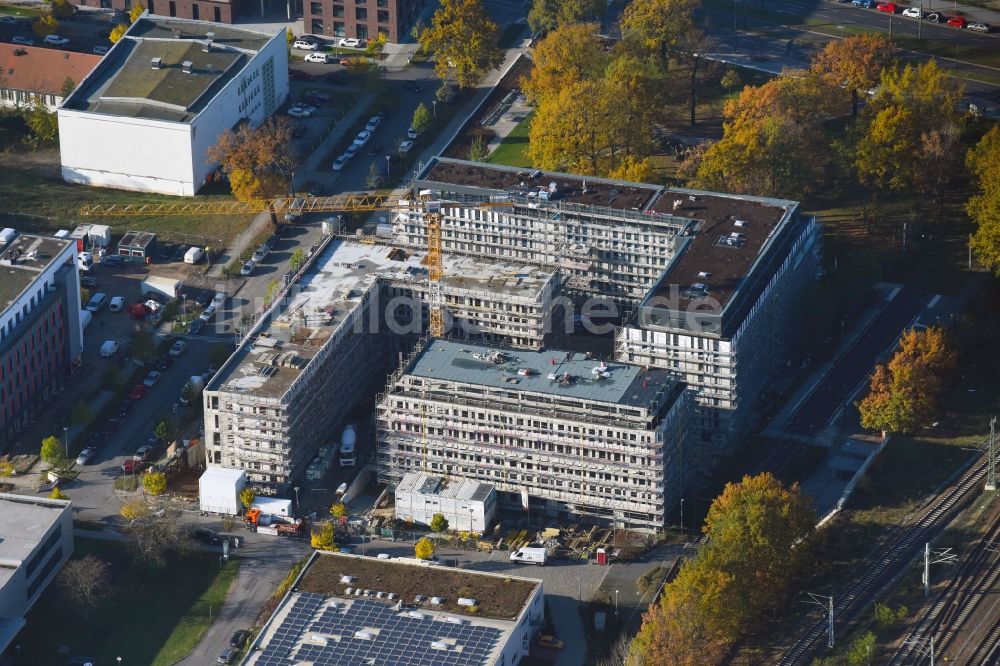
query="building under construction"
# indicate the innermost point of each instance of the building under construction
(329, 346)
(551, 430)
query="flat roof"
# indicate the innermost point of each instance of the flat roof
(570, 188)
(724, 238)
(551, 372)
(23, 260)
(458, 488)
(334, 287)
(24, 522)
(126, 84)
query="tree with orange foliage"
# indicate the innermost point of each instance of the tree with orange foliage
(854, 62)
(259, 161)
(903, 394)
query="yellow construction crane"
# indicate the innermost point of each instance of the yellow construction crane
(341, 203)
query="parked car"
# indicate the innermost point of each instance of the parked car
(339, 163)
(248, 268)
(301, 110)
(314, 94)
(206, 536)
(117, 304)
(152, 378)
(23, 41)
(373, 124)
(55, 40)
(351, 151)
(362, 138)
(304, 45)
(321, 58)
(143, 452)
(936, 17)
(124, 408)
(88, 281)
(137, 393)
(978, 27)
(131, 466)
(412, 134)
(177, 348)
(261, 252)
(350, 42)
(868, 4)
(113, 261)
(551, 642)
(913, 12)
(957, 22)
(405, 146)
(85, 455)
(888, 7)
(239, 638)
(164, 362)
(228, 655)
(101, 50)
(196, 326)
(414, 88)
(96, 302)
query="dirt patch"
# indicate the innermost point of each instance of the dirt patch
(459, 148)
(496, 597)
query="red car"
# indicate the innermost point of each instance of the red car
(137, 392)
(888, 7)
(957, 22)
(131, 466)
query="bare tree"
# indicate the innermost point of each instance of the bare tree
(619, 654)
(85, 581)
(152, 540)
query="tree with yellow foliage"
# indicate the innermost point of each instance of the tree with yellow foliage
(854, 63)
(633, 170)
(135, 509)
(155, 483)
(58, 494)
(567, 55)
(117, 33)
(464, 41)
(45, 25)
(137, 10)
(903, 394)
(323, 539)
(983, 162)
(424, 549)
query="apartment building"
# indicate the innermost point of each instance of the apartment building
(600, 233)
(41, 334)
(551, 430)
(721, 316)
(364, 19)
(30, 74)
(329, 346)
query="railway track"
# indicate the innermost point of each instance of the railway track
(891, 558)
(975, 576)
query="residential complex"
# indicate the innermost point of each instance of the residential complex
(171, 86)
(349, 609)
(36, 539)
(722, 315)
(41, 334)
(330, 345)
(550, 429)
(364, 19)
(31, 73)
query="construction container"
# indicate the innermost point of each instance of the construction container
(219, 490)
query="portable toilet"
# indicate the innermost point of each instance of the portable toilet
(602, 556)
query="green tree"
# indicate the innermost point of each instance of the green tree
(81, 415)
(58, 494)
(62, 9)
(983, 162)
(247, 497)
(259, 161)
(117, 33)
(155, 483)
(886, 617)
(478, 151)
(903, 394)
(338, 510)
(165, 430)
(43, 123)
(376, 46)
(45, 25)
(421, 119)
(439, 523)
(324, 538)
(272, 289)
(424, 549)
(546, 15)
(731, 80)
(68, 86)
(295, 261)
(465, 41)
(52, 451)
(862, 650)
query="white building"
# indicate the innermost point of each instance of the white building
(467, 505)
(350, 609)
(219, 490)
(146, 115)
(36, 539)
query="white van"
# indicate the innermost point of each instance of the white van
(530, 556)
(97, 301)
(117, 304)
(85, 261)
(109, 348)
(193, 255)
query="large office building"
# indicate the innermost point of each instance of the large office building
(146, 116)
(722, 315)
(331, 343)
(551, 430)
(41, 334)
(363, 19)
(349, 609)
(36, 539)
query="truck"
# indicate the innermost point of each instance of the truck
(348, 441)
(168, 288)
(266, 523)
(530, 556)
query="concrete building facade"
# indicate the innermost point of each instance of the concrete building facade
(363, 19)
(552, 430)
(41, 334)
(36, 539)
(171, 86)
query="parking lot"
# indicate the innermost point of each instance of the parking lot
(85, 30)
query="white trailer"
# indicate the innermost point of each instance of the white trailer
(169, 288)
(219, 490)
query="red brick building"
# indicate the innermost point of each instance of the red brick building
(220, 11)
(363, 19)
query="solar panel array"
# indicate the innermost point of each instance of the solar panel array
(401, 640)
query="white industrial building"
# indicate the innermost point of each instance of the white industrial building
(467, 505)
(144, 118)
(219, 490)
(36, 539)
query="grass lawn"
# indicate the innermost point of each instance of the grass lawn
(152, 616)
(513, 150)
(39, 191)
(20, 10)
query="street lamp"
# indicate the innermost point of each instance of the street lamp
(296, 489)
(66, 440)
(388, 169)
(682, 515)
(119, 660)
(616, 602)
(434, 105)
